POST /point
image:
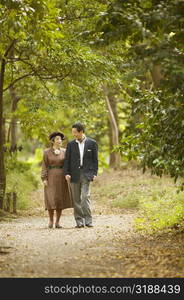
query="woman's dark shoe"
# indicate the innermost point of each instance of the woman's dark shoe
(50, 225)
(58, 226)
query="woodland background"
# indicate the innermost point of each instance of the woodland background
(118, 67)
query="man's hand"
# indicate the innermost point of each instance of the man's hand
(68, 177)
(94, 177)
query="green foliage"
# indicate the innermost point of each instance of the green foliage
(157, 204)
(57, 76)
(64, 51)
(131, 201)
(156, 141)
(22, 179)
(160, 212)
(37, 157)
(103, 161)
(150, 32)
(22, 184)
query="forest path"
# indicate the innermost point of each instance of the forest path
(111, 249)
(33, 250)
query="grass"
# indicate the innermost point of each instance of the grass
(130, 201)
(156, 200)
(165, 212)
(7, 216)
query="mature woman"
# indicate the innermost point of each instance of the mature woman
(57, 194)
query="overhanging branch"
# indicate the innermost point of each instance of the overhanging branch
(16, 80)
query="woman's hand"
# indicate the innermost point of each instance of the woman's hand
(45, 182)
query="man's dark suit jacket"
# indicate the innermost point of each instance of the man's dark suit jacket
(90, 160)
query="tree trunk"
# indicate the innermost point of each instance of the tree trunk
(2, 141)
(13, 134)
(13, 123)
(156, 75)
(114, 131)
(14, 203)
(113, 140)
(2, 165)
(7, 206)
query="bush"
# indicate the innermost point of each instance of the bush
(22, 179)
(161, 211)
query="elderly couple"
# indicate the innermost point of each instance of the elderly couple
(66, 175)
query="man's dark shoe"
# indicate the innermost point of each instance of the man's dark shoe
(89, 225)
(79, 226)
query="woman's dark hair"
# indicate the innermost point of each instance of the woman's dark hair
(53, 135)
(79, 126)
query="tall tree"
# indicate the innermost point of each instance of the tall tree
(152, 33)
(23, 43)
(42, 40)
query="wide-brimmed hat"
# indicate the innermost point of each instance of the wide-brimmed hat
(56, 133)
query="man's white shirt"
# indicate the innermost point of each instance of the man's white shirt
(81, 149)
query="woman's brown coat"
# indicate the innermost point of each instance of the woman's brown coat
(57, 193)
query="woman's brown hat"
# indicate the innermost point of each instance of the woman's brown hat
(56, 133)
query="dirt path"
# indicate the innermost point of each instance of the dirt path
(111, 249)
(33, 250)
